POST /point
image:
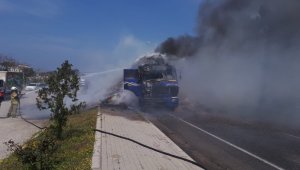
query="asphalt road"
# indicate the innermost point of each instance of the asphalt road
(29, 109)
(217, 143)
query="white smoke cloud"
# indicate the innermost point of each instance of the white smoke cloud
(98, 85)
(101, 84)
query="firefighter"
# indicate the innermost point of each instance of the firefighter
(15, 101)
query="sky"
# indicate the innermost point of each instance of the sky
(94, 35)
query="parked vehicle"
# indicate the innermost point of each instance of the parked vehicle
(43, 85)
(32, 86)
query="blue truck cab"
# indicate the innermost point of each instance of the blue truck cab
(154, 83)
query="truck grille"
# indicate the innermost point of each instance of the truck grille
(161, 91)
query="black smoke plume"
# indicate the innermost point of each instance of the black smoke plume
(239, 23)
(244, 58)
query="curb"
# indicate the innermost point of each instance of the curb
(96, 159)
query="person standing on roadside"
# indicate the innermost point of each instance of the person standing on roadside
(15, 101)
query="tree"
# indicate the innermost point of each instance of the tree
(7, 62)
(28, 72)
(63, 85)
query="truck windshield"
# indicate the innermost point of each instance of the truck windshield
(167, 75)
(165, 72)
(153, 76)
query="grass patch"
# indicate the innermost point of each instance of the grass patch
(74, 151)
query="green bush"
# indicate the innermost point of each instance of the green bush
(36, 154)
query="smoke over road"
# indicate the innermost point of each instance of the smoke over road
(104, 85)
(99, 85)
(244, 59)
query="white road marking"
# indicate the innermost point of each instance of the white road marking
(290, 135)
(228, 143)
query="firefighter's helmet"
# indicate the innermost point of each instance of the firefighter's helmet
(13, 88)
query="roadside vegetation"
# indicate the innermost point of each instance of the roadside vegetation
(73, 151)
(67, 141)
(63, 86)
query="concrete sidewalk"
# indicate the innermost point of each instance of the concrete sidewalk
(115, 153)
(16, 128)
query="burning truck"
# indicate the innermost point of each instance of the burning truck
(154, 82)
